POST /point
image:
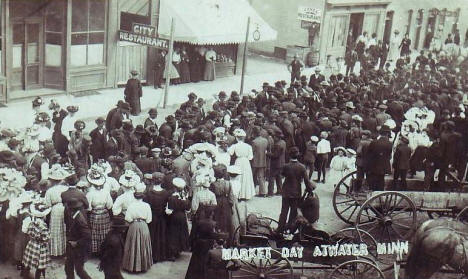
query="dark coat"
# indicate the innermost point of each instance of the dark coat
(315, 81)
(277, 155)
(98, 144)
(78, 230)
(111, 255)
(294, 173)
(259, 148)
(73, 193)
(165, 131)
(109, 117)
(147, 165)
(401, 158)
(115, 121)
(133, 92)
(379, 154)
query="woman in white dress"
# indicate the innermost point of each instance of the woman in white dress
(338, 166)
(393, 48)
(53, 199)
(239, 208)
(243, 154)
(210, 57)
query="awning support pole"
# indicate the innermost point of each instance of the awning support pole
(244, 58)
(169, 60)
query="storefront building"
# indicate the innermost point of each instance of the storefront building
(342, 21)
(64, 46)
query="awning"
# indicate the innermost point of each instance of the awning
(358, 2)
(205, 22)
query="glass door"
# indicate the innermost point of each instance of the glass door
(27, 55)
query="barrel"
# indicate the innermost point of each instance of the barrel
(312, 58)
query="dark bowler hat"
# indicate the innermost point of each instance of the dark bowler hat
(37, 102)
(125, 106)
(153, 111)
(294, 152)
(134, 72)
(222, 94)
(192, 95)
(139, 129)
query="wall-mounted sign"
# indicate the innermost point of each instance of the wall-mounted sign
(144, 35)
(309, 14)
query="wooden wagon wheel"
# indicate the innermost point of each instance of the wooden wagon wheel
(388, 216)
(275, 268)
(347, 202)
(357, 269)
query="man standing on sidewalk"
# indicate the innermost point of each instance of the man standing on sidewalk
(159, 62)
(295, 68)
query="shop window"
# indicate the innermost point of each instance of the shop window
(371, 23)
(338, 27)
(54, 25)
(88, 32)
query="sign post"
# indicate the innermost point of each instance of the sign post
(169, 60)
(244, 58)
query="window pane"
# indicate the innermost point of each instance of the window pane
(18, 34)
(79, 39)
(79, 15)
(95, 54)
(54, 38)
(97, 12)
(55, 16)
(17, 51)
(53, 55)
(78, 55)
(96, 38)
(33, 33)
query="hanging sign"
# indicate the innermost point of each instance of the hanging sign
(144, 35)
(309, 14)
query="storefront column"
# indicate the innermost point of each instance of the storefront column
(154, 14)
(112, 41)
(68, 20)
(6, 47)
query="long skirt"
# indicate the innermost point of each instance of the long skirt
(36, 255)
(209, 73)
(57, 230)
(21, 240)
(158, 231)
(137, 254)
(135, 106)
(178, 234)
(223, 214)
(100, 223)
(247, 185)
(184, 72)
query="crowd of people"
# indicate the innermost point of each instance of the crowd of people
(126, 191)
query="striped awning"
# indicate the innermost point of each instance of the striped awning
(205, 22)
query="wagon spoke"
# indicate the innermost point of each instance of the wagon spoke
(352, 213)
(397, 232)
(281, 267)
(346, 209)
(341, 202)
(396, 205)
(248, 271)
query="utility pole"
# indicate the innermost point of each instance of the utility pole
(244, 58)
(169, 60)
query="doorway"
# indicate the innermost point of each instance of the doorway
(388, 27)
(27, 55)
(355, 29)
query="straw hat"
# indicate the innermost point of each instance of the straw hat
(351, 151)
(40, 209)
(140, 189)
(129, 179)
(95, 177)
(239, 133)
(58, 172)
(340, 148)
(178, 182)
(314, 138)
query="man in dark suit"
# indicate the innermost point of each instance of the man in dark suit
(294, 173)
(401, 164)
(316, 79)
(113, 249)
(111, 113)
(159, 63)
(78, 240)
(145, 164)
(118, 117)
(74, 194)
(295, 68)
(133, 92)
(277, 157)
(259, 147)
(379, 155)
(98, 140)
(451, 144)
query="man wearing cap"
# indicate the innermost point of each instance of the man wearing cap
(361, 158)
(133, 92)
(295, 68)
(401, 164)
(277, 160)
(382, 116)
(78, 240)
(294, 174)
(378, 158)
(111, 113)
(98, 140)
(316, 79)
(222, 100)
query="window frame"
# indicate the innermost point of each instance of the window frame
(88, 32)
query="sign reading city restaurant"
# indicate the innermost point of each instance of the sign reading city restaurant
(144, 35)
(309, 14)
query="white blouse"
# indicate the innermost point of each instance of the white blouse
(323, 147)
(111, 185)
(99, 199)
(138, 209)
(68, 125)
(242, 150)
(122, 202)
(53, 194)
